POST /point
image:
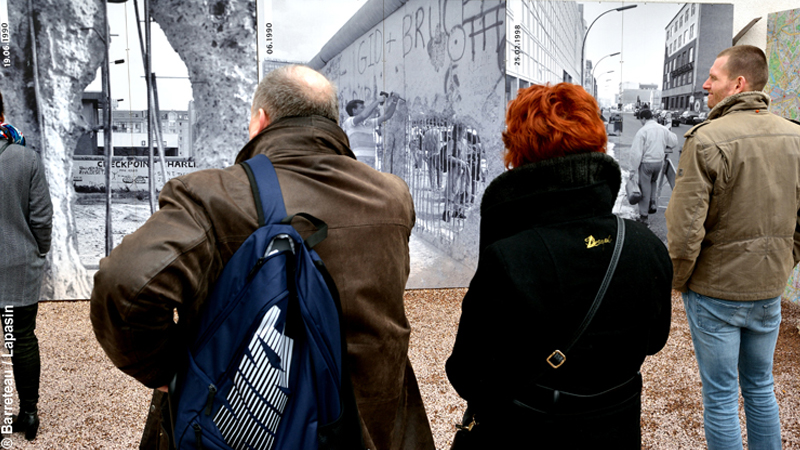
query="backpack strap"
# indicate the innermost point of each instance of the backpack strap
(266, 190)
(267, 193)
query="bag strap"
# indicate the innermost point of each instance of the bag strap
(557, 358)
(267, 194)
(5, 147)
(266, 190)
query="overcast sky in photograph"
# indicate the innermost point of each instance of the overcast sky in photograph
(301, 29)
(638, 33)
(127, 79)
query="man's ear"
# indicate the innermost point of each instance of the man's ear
(741, 85)
(258, 121)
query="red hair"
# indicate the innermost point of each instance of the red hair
(546, 121)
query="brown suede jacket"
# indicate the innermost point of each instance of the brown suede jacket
(173, 260)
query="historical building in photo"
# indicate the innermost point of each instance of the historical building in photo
(694, 37)
(633, 95)
(543, 43)
(129, 131)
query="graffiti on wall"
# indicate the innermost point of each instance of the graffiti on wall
(444, 30)
(445, 59)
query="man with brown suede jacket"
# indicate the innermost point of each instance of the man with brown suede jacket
(173, 260)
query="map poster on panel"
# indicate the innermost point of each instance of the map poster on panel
(783, 87)
(783, 55)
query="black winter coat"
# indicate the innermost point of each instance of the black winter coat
(547, 236)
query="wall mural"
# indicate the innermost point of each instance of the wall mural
(445, 61)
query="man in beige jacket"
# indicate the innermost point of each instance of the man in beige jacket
(173, 260)
(732, 227)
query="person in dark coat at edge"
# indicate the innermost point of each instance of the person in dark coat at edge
(26, 216)
(173, 260)
(546, 239)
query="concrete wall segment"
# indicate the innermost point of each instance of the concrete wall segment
(447, 60)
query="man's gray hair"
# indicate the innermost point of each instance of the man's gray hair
(296, 90)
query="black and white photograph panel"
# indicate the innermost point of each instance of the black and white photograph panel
(641, 61)
(421, 92)
(87, 116)
(174, 96)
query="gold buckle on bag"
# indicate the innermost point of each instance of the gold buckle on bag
(556, 359)
(468, 426)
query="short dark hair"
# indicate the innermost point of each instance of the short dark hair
(749, 62)
(2, 107)
(296, 90)
(352, 105)
(646, 114)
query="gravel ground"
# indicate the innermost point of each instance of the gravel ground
(87, 404)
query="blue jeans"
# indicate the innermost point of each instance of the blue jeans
(728, 335)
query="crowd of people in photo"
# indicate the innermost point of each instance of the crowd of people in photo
(586, 294)
(452, 157)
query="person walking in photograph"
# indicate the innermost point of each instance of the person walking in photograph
(732, 229)
(648, 150)
(26, 215)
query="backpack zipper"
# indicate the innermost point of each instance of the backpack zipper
(198, 436)
(203, 339)
(212, 391)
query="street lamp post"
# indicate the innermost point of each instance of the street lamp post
(583, 44)
(595, 68)
(594, 85)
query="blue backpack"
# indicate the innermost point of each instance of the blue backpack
(266, 369)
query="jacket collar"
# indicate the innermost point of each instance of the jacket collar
(740, 102)
(561, 189)
(294, 136)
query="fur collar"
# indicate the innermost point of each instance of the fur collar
(741, 101)
(553, 175)
(573, 187)
(298, 135)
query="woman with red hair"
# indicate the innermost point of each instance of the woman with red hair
(547, 239)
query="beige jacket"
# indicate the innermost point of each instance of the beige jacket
(173, 260)
(733, 216)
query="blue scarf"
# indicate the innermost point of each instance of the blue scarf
(11, 134)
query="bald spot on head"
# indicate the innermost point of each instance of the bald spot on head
(319, 88)
(296, 91)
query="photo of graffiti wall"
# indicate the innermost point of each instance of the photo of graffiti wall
(436, 70)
